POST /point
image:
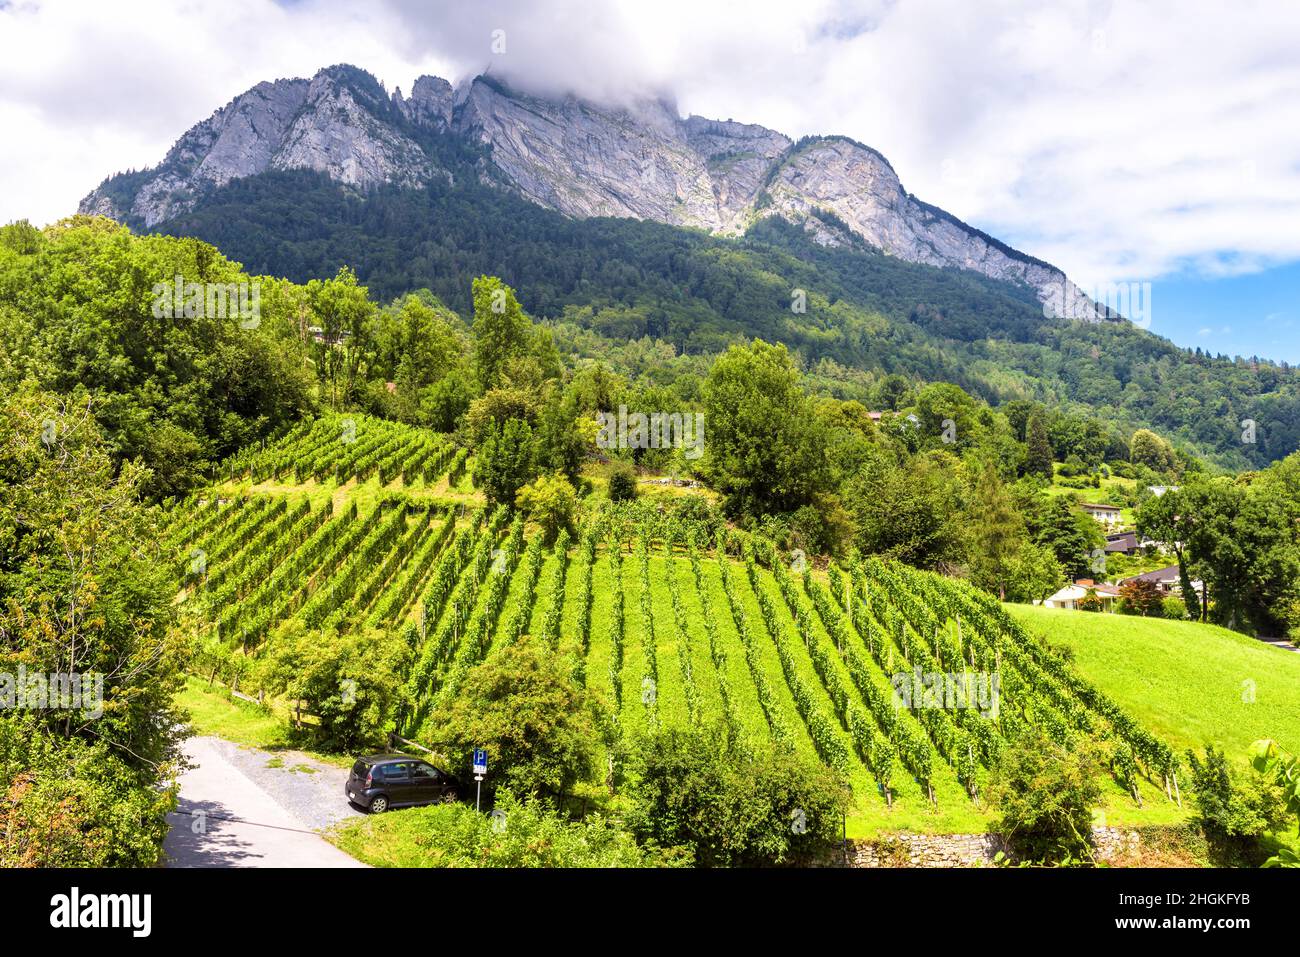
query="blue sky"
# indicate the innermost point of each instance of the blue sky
(1255, 314)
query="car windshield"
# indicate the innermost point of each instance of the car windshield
(360, 768)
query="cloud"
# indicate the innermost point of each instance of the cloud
(1119, 141)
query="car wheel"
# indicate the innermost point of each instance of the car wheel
(450, 796)
(379, 805)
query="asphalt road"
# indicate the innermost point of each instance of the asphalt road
(242, 807)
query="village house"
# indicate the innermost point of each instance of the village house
(1108, 515)
(1122, 543)
(1070, 596)
(1166, 581)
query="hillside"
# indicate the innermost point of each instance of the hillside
(1192, 684)
(618, 224)
(350, 523)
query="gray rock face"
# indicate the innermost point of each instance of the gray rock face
(644, 162)
(587, 160)
(738, 157)
(335, 135)
(582, 159)
(860, 187)
(430, 103)
(313, 124)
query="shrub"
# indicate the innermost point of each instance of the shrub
(73, 804)
(1046, 793)
(1233, 805)
(1230, 806)
(525, 833)
(1282, 770)
(732, 806)
(622, 484)
(1174, 608)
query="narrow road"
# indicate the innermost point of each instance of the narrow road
(241, 807)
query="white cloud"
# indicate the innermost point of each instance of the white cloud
(1120, 141)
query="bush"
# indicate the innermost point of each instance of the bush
(524, 833)
(1233, 807)
(73, 804)
(622, 484)
(1046, 794)
(1174, 608)
(731, 806)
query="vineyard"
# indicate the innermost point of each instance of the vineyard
(349, 523)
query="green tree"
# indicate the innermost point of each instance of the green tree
(550, 501)
(997, 533)
(910, 513)
(1038, 456)
(763, 445)
(501, 331)
(622, 483)
(1045, 793)
(346, 315)
(506, 461)
(353, 682)
(83, 597)
(543, 732)
(1147, 448)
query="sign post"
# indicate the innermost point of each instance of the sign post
(480, 770)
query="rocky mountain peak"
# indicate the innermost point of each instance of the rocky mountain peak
(640, 160)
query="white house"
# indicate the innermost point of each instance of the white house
(1071, 595)
(1108, 515)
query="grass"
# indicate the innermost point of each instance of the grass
(1189, 683)
(212, 711)
(392, 840)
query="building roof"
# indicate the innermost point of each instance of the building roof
(1166, 574)
(1122, 542)
(1106, 508)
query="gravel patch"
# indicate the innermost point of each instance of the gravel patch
(308, 789)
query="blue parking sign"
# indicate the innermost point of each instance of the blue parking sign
(480, 761)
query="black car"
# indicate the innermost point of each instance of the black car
(381, 781)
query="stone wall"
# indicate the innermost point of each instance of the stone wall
(963, 850)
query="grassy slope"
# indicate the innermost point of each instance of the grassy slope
(1185, 681)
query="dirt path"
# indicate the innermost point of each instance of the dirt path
(241, 807)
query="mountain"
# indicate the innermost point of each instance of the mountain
(579, 158)
(569, 203)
